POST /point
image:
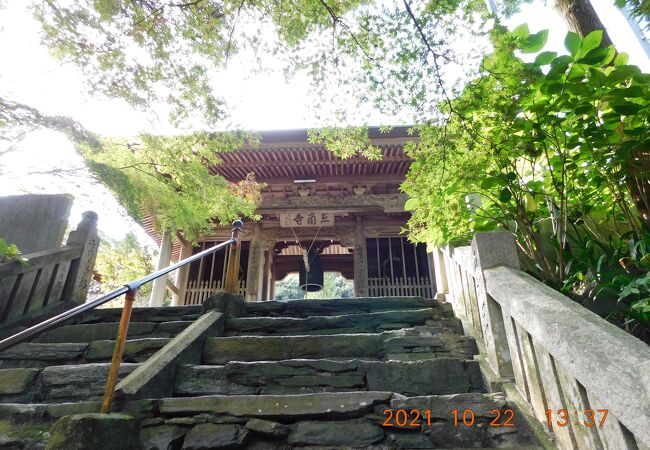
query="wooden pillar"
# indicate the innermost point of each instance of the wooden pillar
(272, 276)
(266, 275)
(182, 274)
(360, 260)
(255, 254)
(164, 257)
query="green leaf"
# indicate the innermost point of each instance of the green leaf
(411, 204)
(633, 92)
(596, 77)
(591, 41)
(545, 58)
(521, 31)
(558, 67)
(621, 59)
(489, 183)
(584, 109)
(505, 195)
(572, 42)
(535, 42)
(599, 56)
(627, 109)
(577, 71)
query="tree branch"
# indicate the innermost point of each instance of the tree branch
(337, 20)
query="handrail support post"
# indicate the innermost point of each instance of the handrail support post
(232, 275)
(118, 351)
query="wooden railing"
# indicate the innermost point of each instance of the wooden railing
(198, 291)
(51, 279)
(584, 379)
(409, 286)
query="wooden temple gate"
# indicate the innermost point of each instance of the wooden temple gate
(352, 211)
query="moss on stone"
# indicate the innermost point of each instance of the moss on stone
(36, 431)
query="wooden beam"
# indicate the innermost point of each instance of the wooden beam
(252, 165)
(172, 287)
(337, 179)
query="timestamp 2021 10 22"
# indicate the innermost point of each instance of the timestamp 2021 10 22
(416, 418)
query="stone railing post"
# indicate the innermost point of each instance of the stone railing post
(440, 273)
(81, 269)
(491, 250)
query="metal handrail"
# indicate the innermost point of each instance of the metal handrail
(130, 290)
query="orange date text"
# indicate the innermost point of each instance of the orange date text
(416, 418)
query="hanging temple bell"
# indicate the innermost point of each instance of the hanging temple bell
(310, 276)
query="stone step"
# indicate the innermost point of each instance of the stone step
(326, 420)
(305, 308)
(296, 376)
(342, 420)
(144, 314)
(40, 355)
(90, 332)
(331, 404)
(222, 350)
(331, 324)
(396, 345)
(72, 382)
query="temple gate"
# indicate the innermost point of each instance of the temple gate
(350, 212)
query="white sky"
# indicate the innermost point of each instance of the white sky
(257, 102)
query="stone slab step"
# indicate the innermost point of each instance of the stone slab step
(90, 332)
(334, 404)
(414, 344)
(29, 354)
(305, 308)
(135, 350)
(148, 314)
(73, 382)
(79, 381)
(344, 420)
(295, 376)
(38, 412)
(254, 348)
(349, 323)
(40, 355)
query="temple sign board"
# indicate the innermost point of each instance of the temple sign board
(297, 219)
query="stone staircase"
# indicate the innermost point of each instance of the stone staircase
(377, 373)
(70, 363)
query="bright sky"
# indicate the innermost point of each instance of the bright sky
(257, 102)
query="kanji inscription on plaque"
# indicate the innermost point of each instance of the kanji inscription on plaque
(306, 219)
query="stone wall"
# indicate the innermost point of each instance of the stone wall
(34, 222)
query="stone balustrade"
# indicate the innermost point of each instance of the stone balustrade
(557, 354)
(51, 280)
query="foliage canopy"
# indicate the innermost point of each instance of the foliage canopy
(168, 179)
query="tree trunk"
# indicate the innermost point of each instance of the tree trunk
(638, 182)
(581, 18)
